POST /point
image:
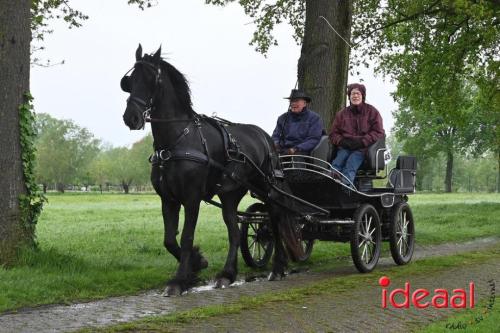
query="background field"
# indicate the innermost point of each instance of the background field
(93, 246)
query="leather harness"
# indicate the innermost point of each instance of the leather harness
(232, 150)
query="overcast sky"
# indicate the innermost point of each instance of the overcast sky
(208, 44)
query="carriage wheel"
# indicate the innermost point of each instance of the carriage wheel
(256, 240)
(366, 239)
(307, 245)
(402, 234)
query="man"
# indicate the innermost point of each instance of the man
(354, 129)
(299, 130)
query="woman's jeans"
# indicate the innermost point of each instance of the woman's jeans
(348, 162)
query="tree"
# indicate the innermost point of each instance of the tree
(323, 28)
(20, 22)
(64, 151)
(139, 154)
(436, 50)
(435, 123)
(15, 36)
(100, 168)
(471, 172)
(20, 205)
(123, 167)
(484, 132)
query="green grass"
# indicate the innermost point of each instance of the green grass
(484, 318)
(455, 217)
(93, 246)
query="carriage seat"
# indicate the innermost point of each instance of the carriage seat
(323, 150)
(402, 177)
(373, 163)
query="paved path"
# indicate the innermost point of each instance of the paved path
(365, 308)
(352, 311)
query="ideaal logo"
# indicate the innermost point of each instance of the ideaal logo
(422, 298)
(440, 298)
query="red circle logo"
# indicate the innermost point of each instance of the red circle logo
(384, 281)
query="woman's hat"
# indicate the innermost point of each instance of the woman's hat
(298, 94)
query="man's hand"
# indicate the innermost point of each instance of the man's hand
(291, 151)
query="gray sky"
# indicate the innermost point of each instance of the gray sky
(208, 44)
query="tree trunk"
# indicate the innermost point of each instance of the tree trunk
(449, 172)
(125, 188)
(498, 170)
(60, 187)
(44, 185)
(15, 38)
(324, 61)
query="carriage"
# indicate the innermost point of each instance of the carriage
(197, 157)
(334, 209)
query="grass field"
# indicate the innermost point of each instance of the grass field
(472, 321)
(93, 246)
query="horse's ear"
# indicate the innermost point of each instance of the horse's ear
(125, 84)
(138, 53)
(157, 56)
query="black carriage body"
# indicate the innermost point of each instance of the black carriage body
(341, 201)
(330, 208)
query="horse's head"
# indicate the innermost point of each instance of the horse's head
(142, 85)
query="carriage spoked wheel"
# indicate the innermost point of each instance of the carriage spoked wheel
(402, 234)
(307, 245)
(256, 238)
(366, 238)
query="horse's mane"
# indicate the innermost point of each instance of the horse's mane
(179, 83)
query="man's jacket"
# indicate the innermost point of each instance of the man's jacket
(298, 130)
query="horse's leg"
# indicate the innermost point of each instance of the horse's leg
(280, 256)
(185, 275)
(230, 203)
(170, 211)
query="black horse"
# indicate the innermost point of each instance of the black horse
(196, 158)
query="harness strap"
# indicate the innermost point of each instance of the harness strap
(162, 156)
(230, 144)
(199, 157)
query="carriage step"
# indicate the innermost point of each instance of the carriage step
(338, 222)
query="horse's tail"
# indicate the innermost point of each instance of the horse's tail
(289, 225)
(290, 232)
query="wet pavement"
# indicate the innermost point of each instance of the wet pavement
(318, 314)
(356, 310)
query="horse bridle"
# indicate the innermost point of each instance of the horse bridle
(148, 106)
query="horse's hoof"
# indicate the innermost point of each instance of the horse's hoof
(222, 282)
(275, 276)
(172, 291)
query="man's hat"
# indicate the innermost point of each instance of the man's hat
(298, 94)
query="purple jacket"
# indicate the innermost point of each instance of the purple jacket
(302, 130)
(362, 123)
